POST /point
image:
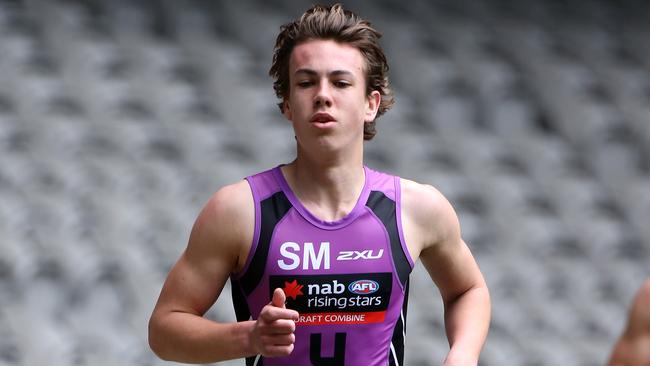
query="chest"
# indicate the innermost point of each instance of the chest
(298, 247)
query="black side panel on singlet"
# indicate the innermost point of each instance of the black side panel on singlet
(250, 361)
(243, 313)
(384, 209)
(399, 340)
(272, 210)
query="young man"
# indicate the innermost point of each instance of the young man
(633, 348)
(319, 250)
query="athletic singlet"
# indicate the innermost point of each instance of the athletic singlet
(347, 279)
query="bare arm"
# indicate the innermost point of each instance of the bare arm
(633, 348)
(433, 234)
(218, 245)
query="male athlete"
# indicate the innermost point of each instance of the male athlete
(633, 348)
(319, 251)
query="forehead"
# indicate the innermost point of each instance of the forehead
(324, 56)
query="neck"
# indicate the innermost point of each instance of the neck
(328, 189)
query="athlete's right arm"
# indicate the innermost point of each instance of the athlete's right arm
(633, 348)
(218, 246)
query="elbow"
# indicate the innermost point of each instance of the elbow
(473, 303)
(478, 294)
(156, 339)
(482, 292)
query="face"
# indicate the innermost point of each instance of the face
(327, 101)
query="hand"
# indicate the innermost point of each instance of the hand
(272, 334)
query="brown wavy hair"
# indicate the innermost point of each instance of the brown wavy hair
(343, 26)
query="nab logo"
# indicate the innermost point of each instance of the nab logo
(363, 287)
(326, 288)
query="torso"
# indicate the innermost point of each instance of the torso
(348, 279)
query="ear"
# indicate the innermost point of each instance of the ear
(372, 106)
(287, 110)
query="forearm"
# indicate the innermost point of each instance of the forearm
(467, 319)
(189, 338)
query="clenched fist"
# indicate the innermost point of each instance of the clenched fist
(272, 334)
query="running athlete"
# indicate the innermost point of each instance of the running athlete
(319, 251)
(633, 348)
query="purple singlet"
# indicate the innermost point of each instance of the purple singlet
(347, 279)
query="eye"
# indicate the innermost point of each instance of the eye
(341, 83)
(304, 83)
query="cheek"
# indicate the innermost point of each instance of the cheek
(287, 111)
(354, 100)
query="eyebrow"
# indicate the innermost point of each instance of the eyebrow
(332, 73)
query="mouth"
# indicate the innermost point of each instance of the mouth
(322, 118)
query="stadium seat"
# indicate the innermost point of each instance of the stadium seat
(117, 122)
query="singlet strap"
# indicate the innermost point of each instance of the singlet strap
(385, 209)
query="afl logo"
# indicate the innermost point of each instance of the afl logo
(363, 287)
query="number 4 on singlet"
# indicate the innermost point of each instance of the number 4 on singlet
(315, 342)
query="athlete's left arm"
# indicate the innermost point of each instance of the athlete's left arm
(432, 231)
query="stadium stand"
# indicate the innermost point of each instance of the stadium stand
(118, 119)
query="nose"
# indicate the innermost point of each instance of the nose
(323, 97)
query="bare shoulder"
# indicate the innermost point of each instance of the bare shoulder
(232, 200)
(225, 224)
(213, 252)
(428, 212)
(423, 196)
(432, 232)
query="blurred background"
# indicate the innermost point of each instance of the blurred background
(118, 119)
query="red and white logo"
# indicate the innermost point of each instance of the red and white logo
(292, 289)
(363, 287)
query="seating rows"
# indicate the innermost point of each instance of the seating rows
(118, 121)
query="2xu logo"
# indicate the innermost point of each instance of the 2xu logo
(316, 259)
